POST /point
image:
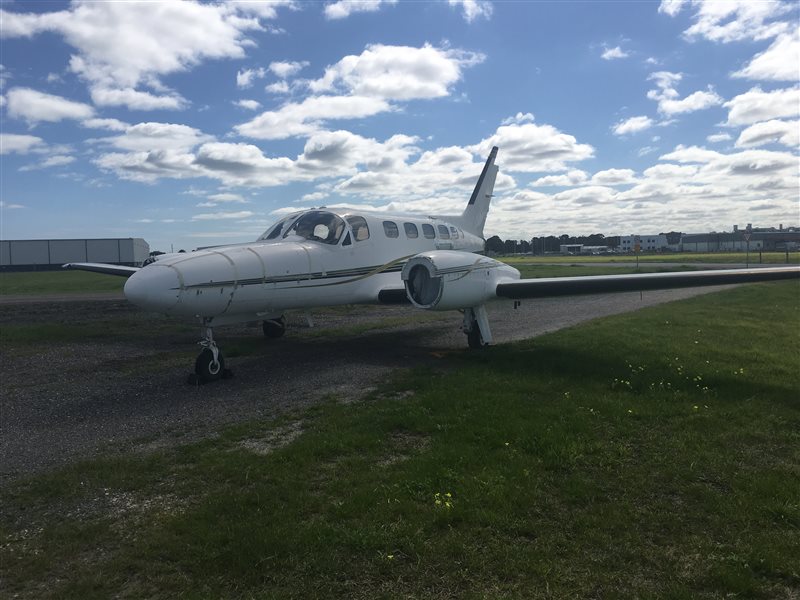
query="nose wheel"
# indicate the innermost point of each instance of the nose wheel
(210, 364)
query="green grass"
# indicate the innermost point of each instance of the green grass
(678, 257)
(655, 454)
(58, 282)
(534, 270)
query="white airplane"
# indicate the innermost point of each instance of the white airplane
(325, 257)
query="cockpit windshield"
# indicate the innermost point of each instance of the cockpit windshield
(317, 226)
(276, 230)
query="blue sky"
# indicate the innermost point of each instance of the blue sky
(191, 124)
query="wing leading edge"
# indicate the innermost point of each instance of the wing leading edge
(604, 284)
(120, 270)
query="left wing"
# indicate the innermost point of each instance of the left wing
(102, 268)
(603, 284)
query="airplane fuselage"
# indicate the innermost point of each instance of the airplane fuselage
(345, 258)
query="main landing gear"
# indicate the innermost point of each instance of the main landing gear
(476, 327)
(274, 328)
(210, 364)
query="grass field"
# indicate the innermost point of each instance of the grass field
(681, 257)
(655, 454)
(58, 282)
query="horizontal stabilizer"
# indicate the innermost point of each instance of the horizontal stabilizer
(120, 270)
(605, 284)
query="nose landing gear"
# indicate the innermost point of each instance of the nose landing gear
(210, 364)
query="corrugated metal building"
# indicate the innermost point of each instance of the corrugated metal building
(29, 255)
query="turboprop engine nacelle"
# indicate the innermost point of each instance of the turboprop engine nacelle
(448, 279)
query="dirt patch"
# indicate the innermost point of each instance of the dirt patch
(273, 440)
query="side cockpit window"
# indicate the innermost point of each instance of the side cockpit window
(318, 226)
(427, 231)
(360, 228)
(443, 232)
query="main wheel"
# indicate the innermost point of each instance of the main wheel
(474, 338)
(274, 328)
(206, 368)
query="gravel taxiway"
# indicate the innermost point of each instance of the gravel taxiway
(66, 400)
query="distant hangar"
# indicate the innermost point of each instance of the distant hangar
(30, 255)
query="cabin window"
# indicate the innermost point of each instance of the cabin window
(443, 233)
(454, 232)
(360, 228)
(318, 226)
(411, 230)
(427, 231)
(390, 229)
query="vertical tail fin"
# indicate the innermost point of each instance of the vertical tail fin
(474, 216)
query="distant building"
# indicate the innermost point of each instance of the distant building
(647, 243)
(735, 242)
(570, 248)
(32, 255)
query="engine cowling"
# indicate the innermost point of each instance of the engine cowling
(449, 279)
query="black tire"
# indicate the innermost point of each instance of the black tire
(474, 338)
(274, 328)
(204, 366)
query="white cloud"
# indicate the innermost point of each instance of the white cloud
(612, 53)
(8, 206)
(279, 87)
(779, 62)
(34, 107)
(344, 8)
(20, 144)
(285, 69)
(150, 137)
(534, 148)
(518, 118)
(242, 214)
(397, 72)
(474, 9)
(245, 77)
(571, 178)
(719, 137)
(633, 125)
(786, 133)
(304, 118)
(109, 124)
(248, 104)
(691, 154)
(58, 160)
(731, 20)
(668, 100)
(227, 197)
(120, 46)
(612, 177)
(135, 99)
(756, 105)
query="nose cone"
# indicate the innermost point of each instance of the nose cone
(154, 287)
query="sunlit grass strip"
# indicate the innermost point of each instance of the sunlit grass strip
(653, 454)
